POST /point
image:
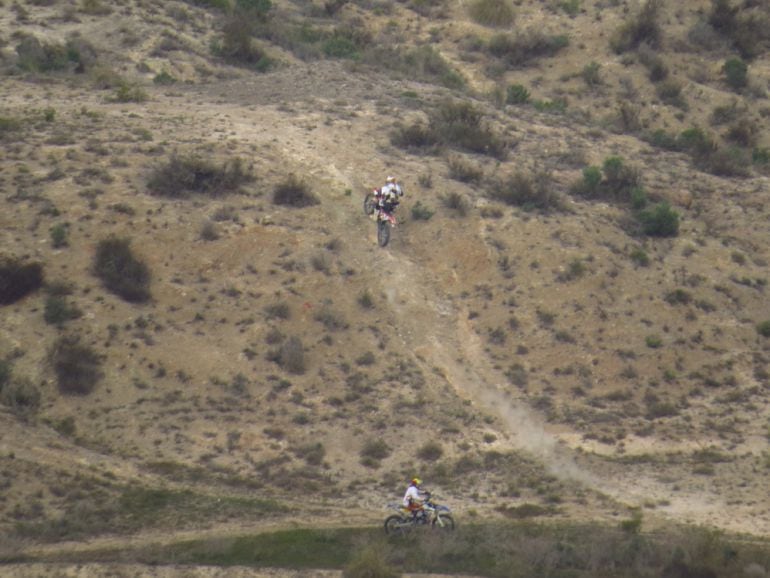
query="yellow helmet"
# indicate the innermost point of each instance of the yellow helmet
(416, 481)
(390, 180)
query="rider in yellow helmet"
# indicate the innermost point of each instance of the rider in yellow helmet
(414, 497)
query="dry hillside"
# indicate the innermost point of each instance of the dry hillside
(197, 324)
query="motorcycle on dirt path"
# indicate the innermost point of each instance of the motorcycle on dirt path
(385, 219)
(433, 515)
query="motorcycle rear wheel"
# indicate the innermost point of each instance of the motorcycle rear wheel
(444, 522)
(383, 232)
(397, 525)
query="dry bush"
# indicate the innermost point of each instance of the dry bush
(77, 366)
(527, 190)
(496, 13)
(120, 271)
(643, 27)
(456, 202)
(291, 356)
(293, 192)
(77, 55)
(459, 124)
(21, 396)
(183, 176)
(525, 48)
(463, 170)
(18, 279)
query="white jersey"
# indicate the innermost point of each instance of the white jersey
(412, 494)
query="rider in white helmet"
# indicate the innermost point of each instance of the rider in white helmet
(390, 193)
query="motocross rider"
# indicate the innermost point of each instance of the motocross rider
(414, 497)
(388, 195)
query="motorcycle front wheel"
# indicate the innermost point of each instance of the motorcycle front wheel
(383, 232)
(369, 204)
(444, 522)
(397, 525)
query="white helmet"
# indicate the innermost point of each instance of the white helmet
(390, 180)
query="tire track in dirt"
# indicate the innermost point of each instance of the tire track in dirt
(440, 331)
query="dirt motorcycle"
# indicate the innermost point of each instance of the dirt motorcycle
(431, 514)
(384, 217)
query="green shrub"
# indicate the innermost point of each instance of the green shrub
(557, 105)
(589, 185)
(77, 366)
(496, 13)
(340, 47)
(421, 212)
(529, 191)
(293, 192)
(591, 74)
(58, 311)
(643, 27)
(615, 180)
(763, 328)
(120, 271)
(18, 279)
(129, 92)
(640, 257)
(660, 220)
(59, 235)
(183, 176)
(653, 341)
(163, 79)
(517, 94)
(736, 73)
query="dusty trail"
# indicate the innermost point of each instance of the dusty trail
(441, 333)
